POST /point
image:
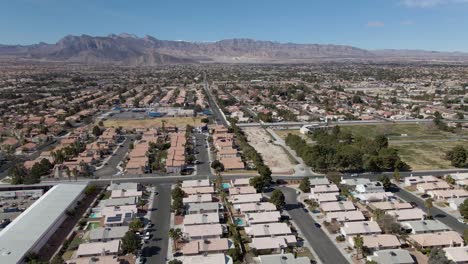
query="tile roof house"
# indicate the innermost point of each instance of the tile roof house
(440, 239)
(337, 206)
(205, 231)
(432, 186)
(207, 246)
(378, 242)
(390, 205)
(413, 180)
(407, 214)
(360, 228)
(345, 216)
(98, 249)
(274, 243)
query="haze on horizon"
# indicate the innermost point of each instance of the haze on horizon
(369, 24)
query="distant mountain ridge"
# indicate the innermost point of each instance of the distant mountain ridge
(130, 50)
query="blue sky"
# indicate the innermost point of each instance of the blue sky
(372, 24)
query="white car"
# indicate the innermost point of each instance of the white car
(461, 220)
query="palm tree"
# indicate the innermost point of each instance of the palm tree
(358, 244)
(429, 204)
(175, 234)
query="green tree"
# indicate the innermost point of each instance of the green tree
(457, 156)
(130, 242)
(305, 185)
(465, 236)
(175, 261)
(386, 182)
(217, 166)
(463, 208)
(437, 256)
(257, 182)
(175, 234)
(97, 131)
(381, 141)
(449, 179)
(135, 224)
(90, 189)
(359, 245)
(277, 198)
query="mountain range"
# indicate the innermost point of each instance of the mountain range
(130, 50)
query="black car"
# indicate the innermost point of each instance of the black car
(317, 225)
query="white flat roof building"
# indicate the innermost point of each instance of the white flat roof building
(98, 249)
(271, 229)
(262, 218)
(196, 183)
(198, 198)
(30, 231)
(283, 259)
(457, 254)
(424, 226)
(208, 259)
(391, 256)
(198, 219)
(337, 206)
(256, 207)
(245, 198)
(345, 216)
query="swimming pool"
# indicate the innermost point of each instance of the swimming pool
(226, 185)
(95, 215)
(239, 221)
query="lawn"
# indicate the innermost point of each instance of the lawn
(426, 155)
(422, 146)
(402, 131)
(180, 122)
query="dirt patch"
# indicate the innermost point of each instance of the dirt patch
(274, 156)
(180, 122)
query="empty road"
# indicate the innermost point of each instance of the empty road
(318, 240)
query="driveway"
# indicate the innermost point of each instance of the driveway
(318, 240)
(156, 249)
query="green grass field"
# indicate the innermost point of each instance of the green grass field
(422, 146)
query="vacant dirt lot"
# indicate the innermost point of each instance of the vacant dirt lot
(274, 156)
(180, 122)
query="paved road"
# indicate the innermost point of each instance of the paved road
(346, 122)
(438, 214)
(111, 168)
(156, 249)
(214, 107)
(204, 167)
(318, 240)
